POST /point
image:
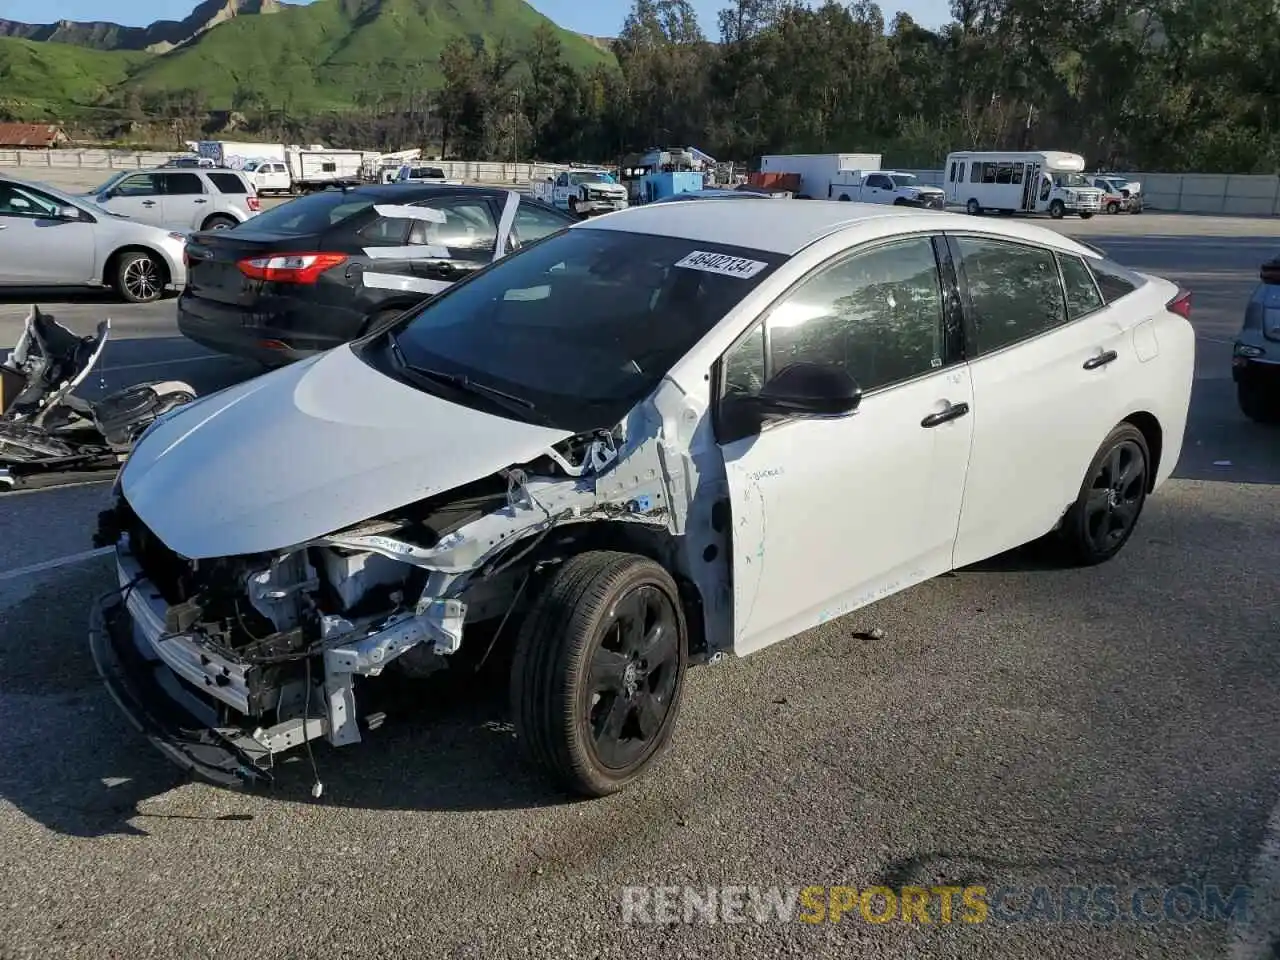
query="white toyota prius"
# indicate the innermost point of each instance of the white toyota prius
(662, 436)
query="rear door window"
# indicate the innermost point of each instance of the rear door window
(1114, 280)
(228, 183)
(469, 231)
(1012, 290)
(1083, 297)
(182, 184)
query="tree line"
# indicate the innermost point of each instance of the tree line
(1174, 85)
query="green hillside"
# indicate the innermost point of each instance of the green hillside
(327, 55)
(49, 77)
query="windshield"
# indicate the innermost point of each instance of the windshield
(590, 177)
(1071, 180)
(903, 179)
(581, 326)
(311, 214)
(110, 182)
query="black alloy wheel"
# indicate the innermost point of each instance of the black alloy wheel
(599, 669)
(1104, 516)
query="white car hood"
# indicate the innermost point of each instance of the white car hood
(306, 450)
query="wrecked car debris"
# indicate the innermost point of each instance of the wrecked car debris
(49, 435)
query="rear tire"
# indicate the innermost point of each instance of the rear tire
(598, 671)
(219, 222)
(1113, 207)
(973, 207)
(138, 277)
(1085, 216)
(1105, 514)
(1057, 209)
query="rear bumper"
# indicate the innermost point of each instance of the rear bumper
(172, 719)
(1254, 371)
(275, 337)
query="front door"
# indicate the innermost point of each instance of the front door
(137, 196)
(1042, 404)
(37, 247)
(562, 191)
(830, 514)
(1030, 180)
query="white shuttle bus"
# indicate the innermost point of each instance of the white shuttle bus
(1040, 182)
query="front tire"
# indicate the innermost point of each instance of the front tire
(1085, 216)
(973, 207)
(1258, 404)
(598, 671)
(1100, 522)
(138, 277)
(1113, 207)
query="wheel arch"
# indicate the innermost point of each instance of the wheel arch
(1152, 432)
(653, 543)
(110, 265)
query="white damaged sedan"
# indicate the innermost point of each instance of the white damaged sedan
(659, 437)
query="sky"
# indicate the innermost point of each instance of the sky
(597, 17)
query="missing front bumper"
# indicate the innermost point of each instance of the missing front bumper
(172, 719)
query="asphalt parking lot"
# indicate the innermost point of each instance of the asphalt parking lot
(1008, 726)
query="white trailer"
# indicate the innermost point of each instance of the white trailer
(1046, 181)
(315, 169)
(819, 171)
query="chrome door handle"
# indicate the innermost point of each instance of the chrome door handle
(202, 201)
(148, 203)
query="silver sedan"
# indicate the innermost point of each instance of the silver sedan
(49, 238)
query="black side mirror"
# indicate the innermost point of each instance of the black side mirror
(810, 389)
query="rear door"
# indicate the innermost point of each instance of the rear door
(459, 238)
(1048, 358)
(184, 200)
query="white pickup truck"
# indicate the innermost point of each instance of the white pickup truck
(582, 192)
(886, 186)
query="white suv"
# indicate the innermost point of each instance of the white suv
(181, 199)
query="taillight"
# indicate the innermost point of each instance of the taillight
(1270, 272)
(290, 267)
(1181, 304)
(255, 204)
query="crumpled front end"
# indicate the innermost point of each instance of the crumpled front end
(226, 663)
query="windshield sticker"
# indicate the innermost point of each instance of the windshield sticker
(722, 264)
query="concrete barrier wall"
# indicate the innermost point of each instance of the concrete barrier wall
(1214, 193)
(35, 164)
(1257, 196)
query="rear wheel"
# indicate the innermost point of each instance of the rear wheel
(1057, 209)
(138, 277)
(1111, 499)
(1113, 207)
(218, 222)
(1085, 216)
(598, 671)
(973, 207)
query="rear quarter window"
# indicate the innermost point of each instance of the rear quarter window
(1114, 281)
(228, 183)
